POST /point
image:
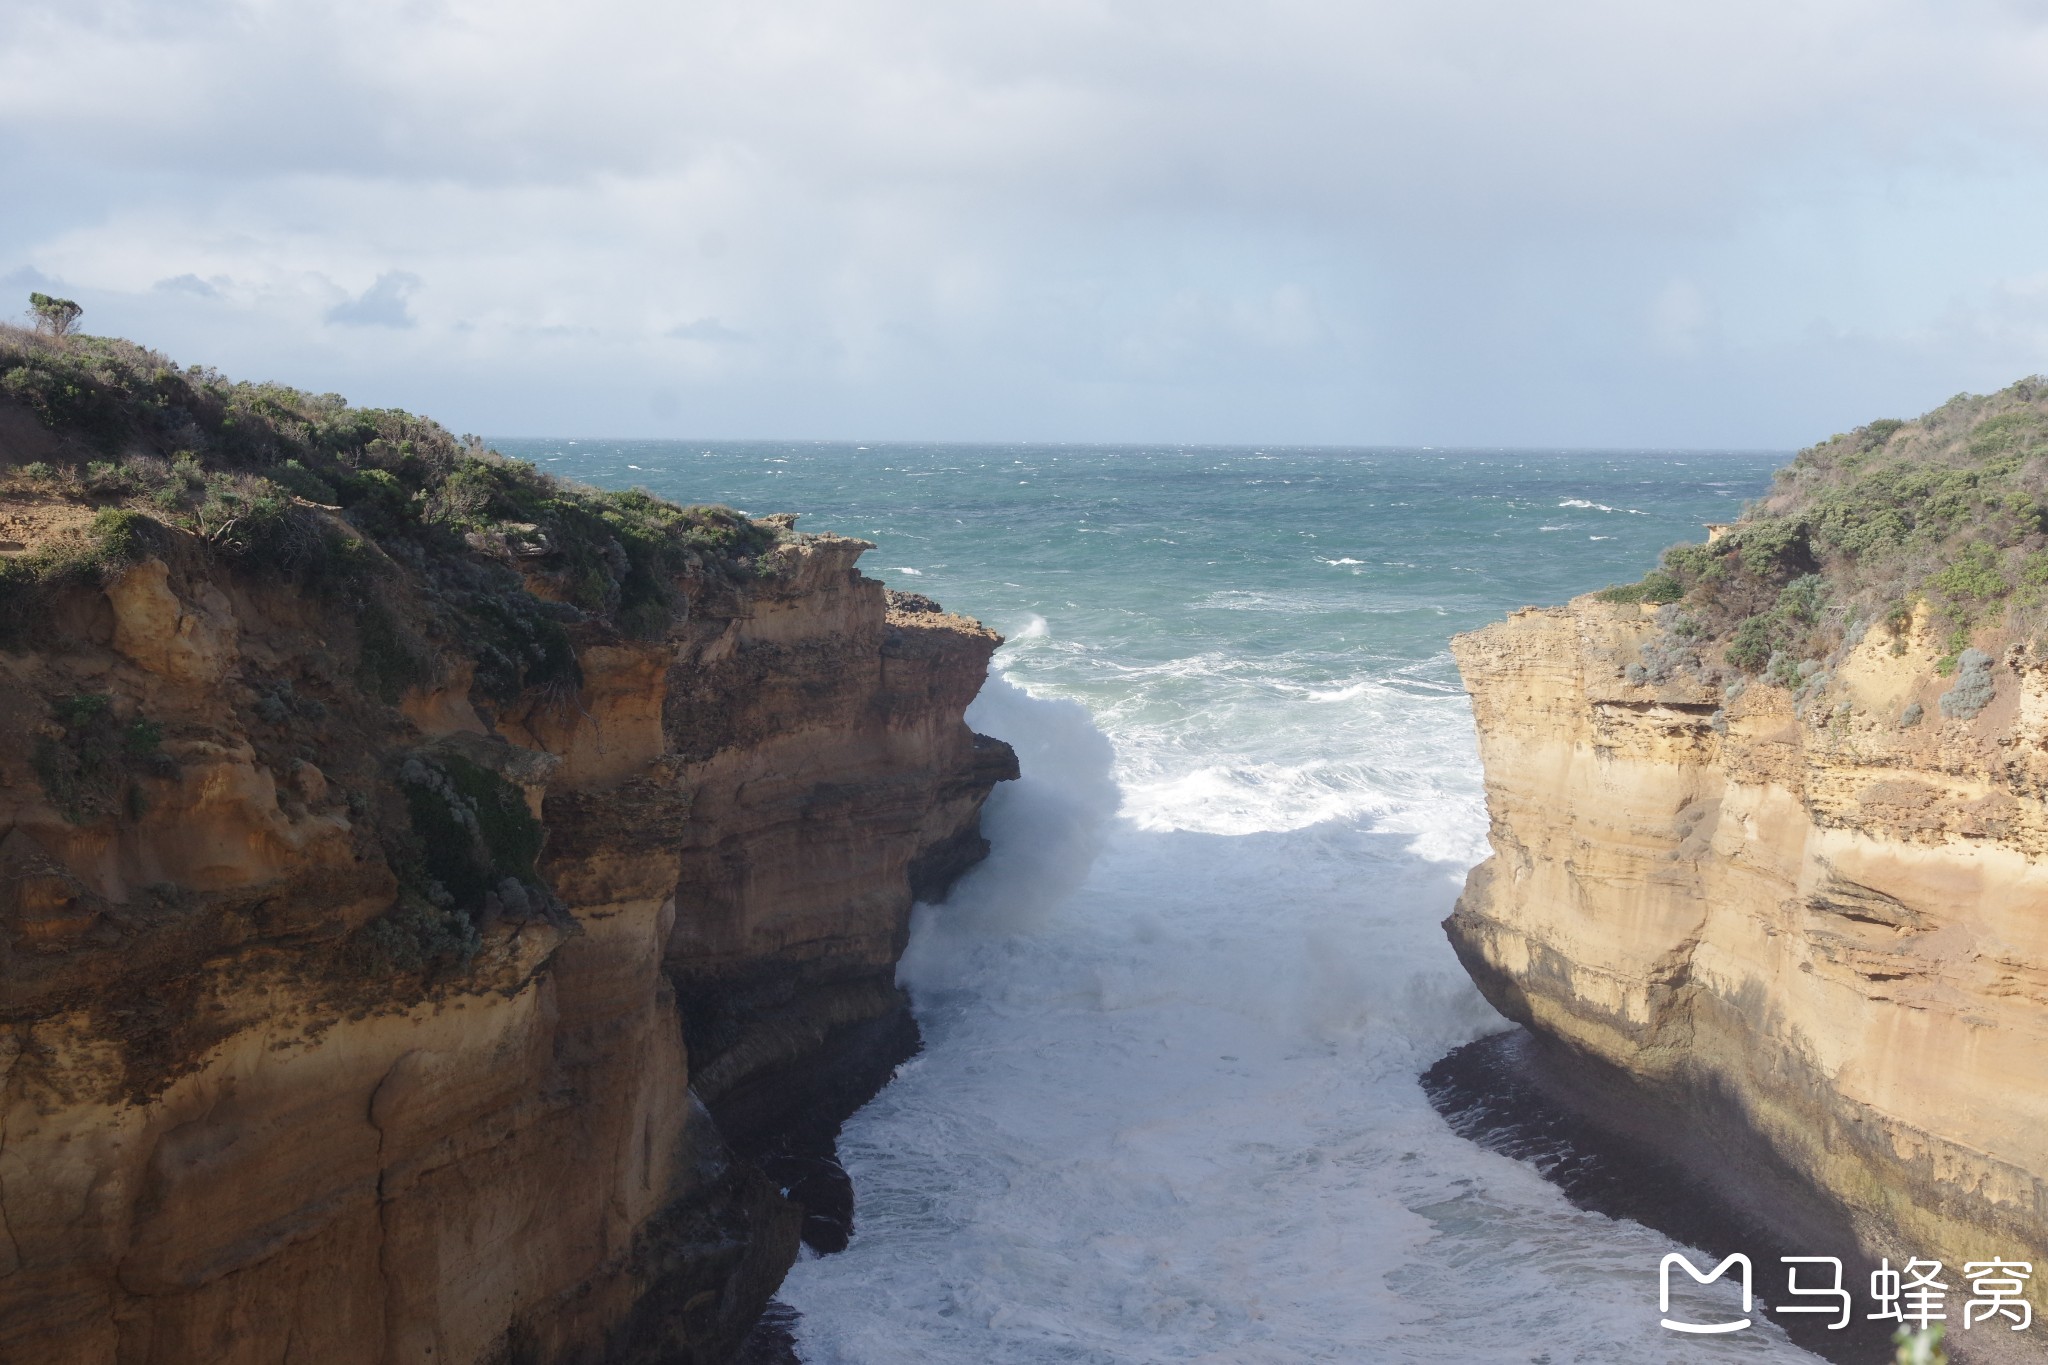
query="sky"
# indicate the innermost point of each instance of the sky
(1748, 223)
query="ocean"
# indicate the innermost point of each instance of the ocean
(1168, 1105)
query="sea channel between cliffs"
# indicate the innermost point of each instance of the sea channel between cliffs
(464, 947)
(1168, 1103)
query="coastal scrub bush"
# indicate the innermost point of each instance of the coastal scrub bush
(1972, 577)
(88, 770)
(1658, 586)
(1782, 633)
(388, 660)
(113, 540)
(465, 856)
(1949, 510)
(274, 480)
(414, 936)
(1973, 689)
(300, 481)
(474, 826)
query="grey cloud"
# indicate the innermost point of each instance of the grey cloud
(187, 284)
(381, 305)
(1318, 220)
(1644, 108)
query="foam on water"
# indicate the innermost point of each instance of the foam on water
(1168, 1109)
(1168, 1106)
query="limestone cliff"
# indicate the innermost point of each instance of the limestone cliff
(1790, 919)
(413, 916)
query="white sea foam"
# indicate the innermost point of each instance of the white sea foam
(1601, 507)
(1167, 1108)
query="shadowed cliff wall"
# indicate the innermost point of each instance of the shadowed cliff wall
(274, 1087)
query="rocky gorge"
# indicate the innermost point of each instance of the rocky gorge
(429, 893)
(1767, 877)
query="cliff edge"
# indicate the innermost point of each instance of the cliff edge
(1768, 839)
(425, 885)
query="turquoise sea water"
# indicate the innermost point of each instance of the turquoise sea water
(1167, 1108)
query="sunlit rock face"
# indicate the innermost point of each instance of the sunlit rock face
(1818, 932)
(262, 1102)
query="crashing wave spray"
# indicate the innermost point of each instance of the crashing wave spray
(1168, 1110)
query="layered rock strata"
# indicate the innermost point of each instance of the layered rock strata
(247, 1117)
(1800, 937)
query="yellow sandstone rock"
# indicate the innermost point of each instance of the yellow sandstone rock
(1824, 934)
(222, 1143)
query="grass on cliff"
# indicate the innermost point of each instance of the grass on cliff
(268, 477)
(417, 548)
(87, 769)
(1947, 513)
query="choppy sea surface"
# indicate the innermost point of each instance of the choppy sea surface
(1168, 1106)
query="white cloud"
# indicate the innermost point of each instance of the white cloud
(1082, 218)
(705, 329)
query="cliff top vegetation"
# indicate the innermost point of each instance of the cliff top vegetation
(307, 486)
(1946, 514)
(369, 552)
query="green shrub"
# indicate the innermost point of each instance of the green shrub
(1689, 563)
(414, 937)
(474, 826)
(116, 538)
(1957, 641)
(1750, 647)
(143, 738)
(236, 460)
(1658, 586)
(296, 478)
(90, 771)
(1972, 576)
(1950, 509)
(254, 520)
(387, 661)
(1771, 546)
(1770, 640)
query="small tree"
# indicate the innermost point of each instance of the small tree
(58, 317)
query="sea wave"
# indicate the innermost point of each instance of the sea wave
(1168, 1109)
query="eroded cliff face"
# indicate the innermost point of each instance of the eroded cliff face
(252, 1112)
(1806, 927)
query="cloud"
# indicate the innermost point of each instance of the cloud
(1340, 220)
(187, 283)
(1681, 318)
(705, 329)
(381, 305)
(26, 277)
